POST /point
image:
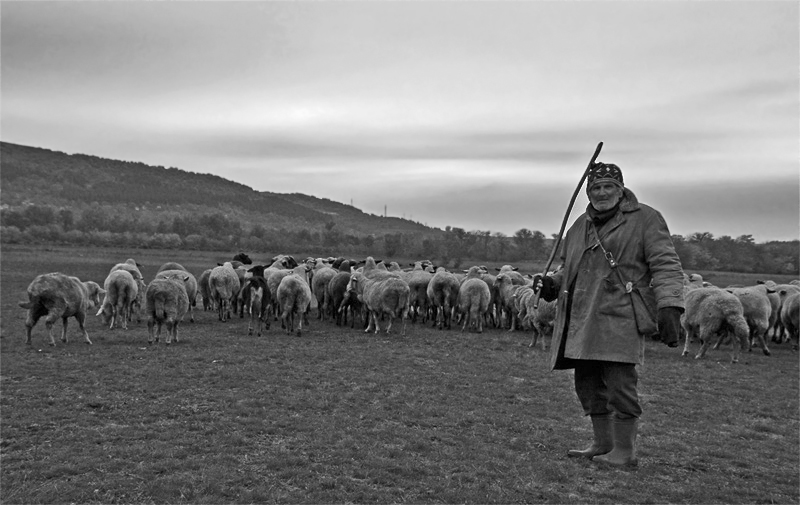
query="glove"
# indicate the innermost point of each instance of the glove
(669, 325)
(548, 289)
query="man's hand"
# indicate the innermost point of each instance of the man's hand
(669, 325)
(546, 287)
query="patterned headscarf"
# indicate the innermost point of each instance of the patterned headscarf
(605, 172)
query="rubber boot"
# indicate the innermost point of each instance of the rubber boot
(603, 438)
(624, 453)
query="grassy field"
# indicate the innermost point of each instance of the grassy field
(339, 416)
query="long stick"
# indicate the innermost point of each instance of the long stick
(566, 217)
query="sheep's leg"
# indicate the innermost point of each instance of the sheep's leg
(534, 337)
(705, 336)
(391, 319)
(300, 324)
(170, 330)
(689, 336)
(34, 313)
(762, 340)
(81, 318)
(150, 330)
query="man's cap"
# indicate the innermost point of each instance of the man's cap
(605, 172)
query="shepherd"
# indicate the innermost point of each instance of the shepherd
(621, 281)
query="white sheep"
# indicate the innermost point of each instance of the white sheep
(166, 304)
(294, 298)
(506, 289)
(418, 280)
(122, 291)
(757, 309)
(473, 300)
(382, 295)
(205, 290)
(191, 287)
(224, 285)
(60, 296)
(131, 266)
(323, 274)
(790, 315)
(711, 312)
(443, 296)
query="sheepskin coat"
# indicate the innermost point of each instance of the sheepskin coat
(594, 319)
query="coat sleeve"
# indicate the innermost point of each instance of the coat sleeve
(663, 261)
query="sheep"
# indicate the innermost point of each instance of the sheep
(137, 306)
(777, 298)
(131, 266)
(756, 309)
(166, 303)
(323, 275)
(191, 287)
(790, 315)
(294, 298)
(710, 312)
(258, 302)
(281, 266)
(171, 265)
(122, 291)
(494, 303)
(243, 258)
(418, 280)
(57, 295)
(443, 296)
(224, 285)
(382, 295)
(784, 292)
(336, 289)
(539, 319)
(473, 300)
(205, 290)
(506, 289)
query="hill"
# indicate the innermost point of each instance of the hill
(32, 175)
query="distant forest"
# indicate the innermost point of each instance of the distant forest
(107, 225)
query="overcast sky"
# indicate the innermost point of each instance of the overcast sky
(478, 115)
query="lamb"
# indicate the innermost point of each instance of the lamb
(382, 295)
(710, 312)
(473, 300)
(59, 296)
(541, 321)
(294, 298)
(166, 304)
(191, 287)
(205, 290)
(258, 302)
(443, 296)
(122, 291)
(131, 266)
(790, 315)
(224, 285)
(756, 309)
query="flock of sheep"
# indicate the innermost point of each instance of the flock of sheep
(372, 291)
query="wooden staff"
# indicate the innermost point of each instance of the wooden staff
(564, 222)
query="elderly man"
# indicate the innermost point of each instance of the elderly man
(620, 272)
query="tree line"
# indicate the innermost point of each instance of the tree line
(98, 225)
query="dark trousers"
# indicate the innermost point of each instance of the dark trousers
(607, 386)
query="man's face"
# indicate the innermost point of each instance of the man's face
(604, 195)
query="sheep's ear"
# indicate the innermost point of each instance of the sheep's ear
(186, 278)
(219, 264)
(99, 311)
(497, 269)
(515, 268)
(770, 290)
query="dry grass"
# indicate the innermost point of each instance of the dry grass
(338, 416)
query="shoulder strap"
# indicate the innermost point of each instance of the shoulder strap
(612, 262)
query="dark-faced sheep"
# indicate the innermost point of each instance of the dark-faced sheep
(60, 296)
(258, 303)
(166, 304)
